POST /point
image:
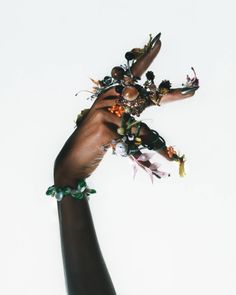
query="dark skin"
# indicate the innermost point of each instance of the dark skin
(85, 269)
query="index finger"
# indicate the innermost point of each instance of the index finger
(109, 93)
(142, 64)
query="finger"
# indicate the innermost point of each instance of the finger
(105, 103)
(104, 116)
(102, 105)
(111, 92)
(143, 63)
(178, 94)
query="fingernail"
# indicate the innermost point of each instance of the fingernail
(155, 39)
(187, 90)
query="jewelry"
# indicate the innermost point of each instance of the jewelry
(172, 154)
(80, 192)
(134, 97)
(133, 100)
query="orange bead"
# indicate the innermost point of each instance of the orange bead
(117, 109)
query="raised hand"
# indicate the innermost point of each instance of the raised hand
(84, 149)
(108, 123)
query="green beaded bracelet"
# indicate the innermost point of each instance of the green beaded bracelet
(81, 191)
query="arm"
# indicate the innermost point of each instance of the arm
(85, 269)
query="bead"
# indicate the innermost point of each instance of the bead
(81, 192)
(59, 196)
(66, 190)
(121, 149)
(76, 194)
(79, 196)
(107, 80)
(138, 141)
(119, 88)
(117, 109)
(117, 73)
(121, 131)
(81, 185)
(129, 55)
(130, 93)
(51, 190)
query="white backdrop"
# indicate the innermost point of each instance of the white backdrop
(176, 236)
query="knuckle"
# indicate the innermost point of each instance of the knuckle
(99, 116)
(100, 130)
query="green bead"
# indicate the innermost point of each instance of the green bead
(66, 190)
(81, 185)
(80, 197)
(79, 193)
(51, 190)
(76, 194)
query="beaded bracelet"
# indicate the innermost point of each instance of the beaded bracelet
(81, 191)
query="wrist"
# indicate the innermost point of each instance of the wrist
(63, 181)
(78, 191)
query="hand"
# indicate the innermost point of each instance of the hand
(83, 151)
(140, 67)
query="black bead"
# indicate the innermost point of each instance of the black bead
(129, 55)
(107, 80)
(119, 88)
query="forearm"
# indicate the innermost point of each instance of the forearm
(85, 269)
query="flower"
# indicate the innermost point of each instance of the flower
(150, 75)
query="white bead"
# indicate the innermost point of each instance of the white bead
(121, 149)
(59, 196)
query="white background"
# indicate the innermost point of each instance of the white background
(176, 236)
